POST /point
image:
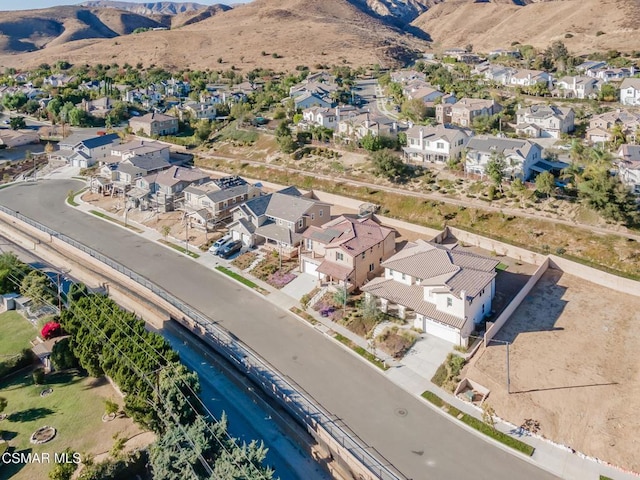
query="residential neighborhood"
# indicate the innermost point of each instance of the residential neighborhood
(443, 222)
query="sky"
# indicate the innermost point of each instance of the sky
(32, 4)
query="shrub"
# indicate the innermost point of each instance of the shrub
(38, 376)
(440, 376)
(51, 330)
(62, 357)
(599, 33)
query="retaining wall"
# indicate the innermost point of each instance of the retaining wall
(500, 248)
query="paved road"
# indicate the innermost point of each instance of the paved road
(422, 443)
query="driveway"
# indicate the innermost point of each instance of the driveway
(303, 283)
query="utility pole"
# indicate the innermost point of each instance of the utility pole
(187, 239)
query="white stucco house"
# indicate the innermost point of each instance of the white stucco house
(520, 155)
(435, 144)
(630, 91)
(446, 292)
(629, 167)
(546, 121)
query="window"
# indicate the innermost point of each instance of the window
(233, 200)
(404, 277)
(371, 267)
(313, 216)
(482, 308)
(363, 255)
(391, 272)
(300, 223)
(449, 302)
(320, 214)
(440, 145)
(309, 244)
(339, 256)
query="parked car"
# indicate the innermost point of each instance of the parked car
(215, 248)
(230, 248)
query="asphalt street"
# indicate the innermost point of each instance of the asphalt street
(420, 442)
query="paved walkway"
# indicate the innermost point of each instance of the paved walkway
(413, 374)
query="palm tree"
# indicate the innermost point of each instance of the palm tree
(577, 151)
(574, 173)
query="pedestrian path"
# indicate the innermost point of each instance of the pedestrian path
(415, 377)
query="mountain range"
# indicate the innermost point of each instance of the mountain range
(282, 34)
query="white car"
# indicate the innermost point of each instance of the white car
(218, 244)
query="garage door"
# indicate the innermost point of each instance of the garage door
(246, 239)
(310, 268)
(442, 331)
(235, 235)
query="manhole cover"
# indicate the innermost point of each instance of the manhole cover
(401, 412)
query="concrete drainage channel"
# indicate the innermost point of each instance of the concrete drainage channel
(353, 454)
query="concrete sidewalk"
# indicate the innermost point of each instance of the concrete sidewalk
(409, 374)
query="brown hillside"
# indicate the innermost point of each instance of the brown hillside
(303, 32)
(23, 31)
(189, 18)
(493, 25)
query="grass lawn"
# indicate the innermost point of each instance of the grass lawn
(15, 333)
(74, 409)
(179, 248)
(115, 220)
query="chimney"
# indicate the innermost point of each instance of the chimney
(421, 138)
(337, 114)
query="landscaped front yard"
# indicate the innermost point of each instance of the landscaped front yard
(272, 271)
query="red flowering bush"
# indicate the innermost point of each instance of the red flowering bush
(51, 330)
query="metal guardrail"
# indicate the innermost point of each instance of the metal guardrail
(299, 403)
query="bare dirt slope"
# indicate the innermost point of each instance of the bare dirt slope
(302, 32)
(573, 364)
(496, 25)
(24, 31)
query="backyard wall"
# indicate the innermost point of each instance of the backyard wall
(515, 303)
(498, 247)
(604, 279)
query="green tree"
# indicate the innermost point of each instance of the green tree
(545, 183)
(62, 356)
(203, 130)
(371, 142)
(608, 93)
(287, 144)
(414, 109)
(519, 189)
(15, 101)
(17, 122)
(177, 390)
(3, 404)
(387, 164)
(496, 170)
(64, 470)
(111, 407)
(340, 296)
(38, 288)
(12, 271)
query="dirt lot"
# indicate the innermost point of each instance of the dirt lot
(573, 367)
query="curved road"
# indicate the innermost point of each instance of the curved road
(422, 443)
